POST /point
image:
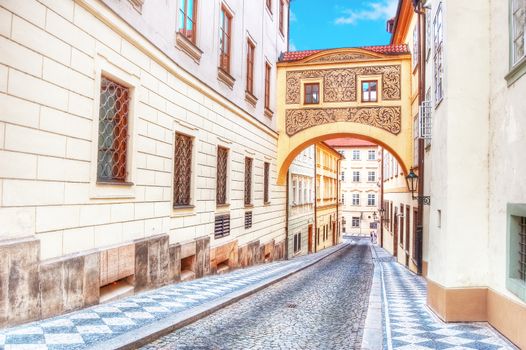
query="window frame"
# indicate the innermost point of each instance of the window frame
(190, 176)
(248, 199)
(517, 68)
(356, 176)
(373, 172)
(312, 84)
(225, 13)
(369, 196)
(438, 58)
(355, 222)
(373, 152)
(226, 187)
(370, 81)
(268, 72)
(355, 152)
(282, 17)
(355, 199)
(184, 30)
(266, 183)
(251, 49)
(514, 283)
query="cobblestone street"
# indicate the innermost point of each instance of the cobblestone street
(322, 307)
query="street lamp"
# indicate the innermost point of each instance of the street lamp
(412, 183)
(375, 216)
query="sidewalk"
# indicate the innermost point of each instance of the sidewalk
(409, 324)
(123, 322)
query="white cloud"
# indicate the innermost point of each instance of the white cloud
(377, 10)
(293, 17)
(292, 47)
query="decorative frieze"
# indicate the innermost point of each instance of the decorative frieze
(342, 57)
(386, 118)
(340, 85)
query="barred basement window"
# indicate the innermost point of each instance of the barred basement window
(182, 170)
(222, 168)
(248, 220)
(113, 131)
(248, 181)
(222, 226)
(522, 249)
(266, 183)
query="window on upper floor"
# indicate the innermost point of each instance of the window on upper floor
(182, 170)
(355, 199)
(188, 19)
(371, 199)
(371, 154)
(269, 5)
(225, 39)
(355, 154)
(312, 93)
(343, 175)
(268, 70)
(518, 30)
(370, 91)
(355, 221)
(356, 176)
(416, 45)
(113, 131)
(251, 48)
(371, 176)
(438, 58)
(282, 16)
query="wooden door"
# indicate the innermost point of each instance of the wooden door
(334, 233)
(310, 238)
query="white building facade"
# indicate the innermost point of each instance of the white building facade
(137, 146)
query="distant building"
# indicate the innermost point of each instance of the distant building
(360, 176)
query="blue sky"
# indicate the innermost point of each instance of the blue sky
(321, 24)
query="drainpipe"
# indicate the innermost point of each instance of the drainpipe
(287, 218)
(338, 196)
(315, 201)
(382, 197)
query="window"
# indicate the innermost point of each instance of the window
(113, 132)
(356, 176)
(401, 225)
(182, 170)
(269, 5)
(371, 199)
(355, 221)
(282, 16)
(522, 249)
(428, 34)
(343, 198)
(518, 30)
(438, 60)
(225, 39)
(268, 70)
(415, 140)
(416, 43)
(371, 176)
(266, 182)
(369, 91)
(343, 175)
(297, 242)
(251, 48)
(355, 154)
(355, 199)
(371, 154)
(516, 249)
(312, 93)
(222, 169)
(187, 19)
(248, 181)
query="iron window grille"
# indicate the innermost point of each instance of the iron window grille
(424, 120)
(222, 226)
(182, 170)
(113, 131)
(187, 19)
(522, 249)
(248, 181)
(248, 219)
(222, 169)
(266, 183)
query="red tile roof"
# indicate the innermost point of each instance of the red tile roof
(349, 142)
(290, 56)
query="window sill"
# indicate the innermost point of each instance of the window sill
(183, 210)
(249, 206)
(183, 43)
(516, 72)
(268, 112)
(224, 77)
(114, 183)
(266, 203)
(251, 98)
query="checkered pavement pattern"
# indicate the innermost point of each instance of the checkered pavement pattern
(410, 325)
(87, 327)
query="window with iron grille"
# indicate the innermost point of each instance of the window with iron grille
(225, 34)
(113, 131)
(222, 175)
(222, 226)
(522, 249)
(266, 183)
(248, 181)
(187, 19)
(248, 219)
(182, 170)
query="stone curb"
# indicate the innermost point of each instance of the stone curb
(146, 334)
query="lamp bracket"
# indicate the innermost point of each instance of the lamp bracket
(425, 200)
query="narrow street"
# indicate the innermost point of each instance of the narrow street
(321, 307)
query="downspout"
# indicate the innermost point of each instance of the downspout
(287, 196)
(338, 196)
(315, 201)
(421, 95)
(382, 198)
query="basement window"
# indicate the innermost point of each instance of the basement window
(188, 268)
(516, 250)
